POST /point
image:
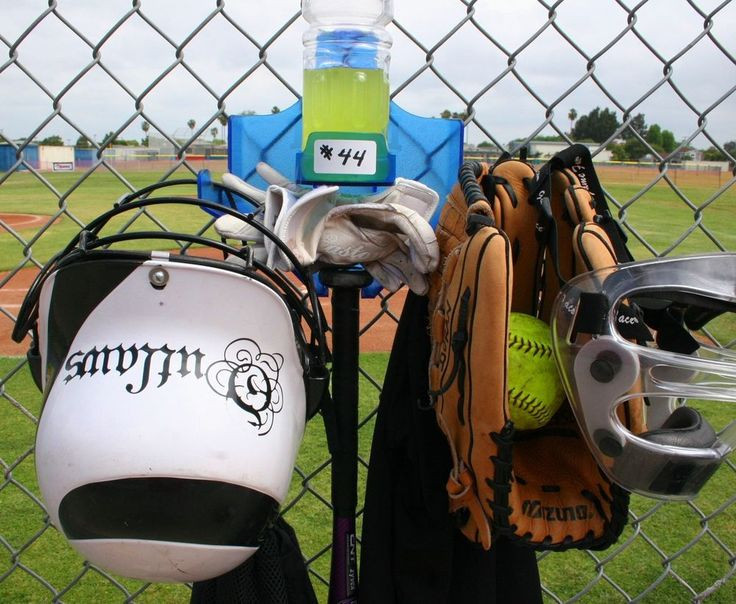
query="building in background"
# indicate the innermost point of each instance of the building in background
(40, 157)
(56, 158)
(9, 155)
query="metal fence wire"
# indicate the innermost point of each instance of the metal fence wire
(510, 70)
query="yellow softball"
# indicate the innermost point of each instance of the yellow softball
(534, 386)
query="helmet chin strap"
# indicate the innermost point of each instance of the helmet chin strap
(685, 427)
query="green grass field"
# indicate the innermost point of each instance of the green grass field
(45, 553)
(659, 217)
(23, 193)
(641, 558)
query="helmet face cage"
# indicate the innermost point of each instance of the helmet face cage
(302, 299)
(176, 390)
(602, 366)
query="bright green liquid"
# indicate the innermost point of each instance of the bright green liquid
(342, 99)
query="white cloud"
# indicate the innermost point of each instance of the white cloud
(471, 59)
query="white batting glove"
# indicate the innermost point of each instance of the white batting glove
(387, 232)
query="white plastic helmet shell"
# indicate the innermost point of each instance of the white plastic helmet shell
(175, 405)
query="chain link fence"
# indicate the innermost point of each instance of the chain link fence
(501, 66)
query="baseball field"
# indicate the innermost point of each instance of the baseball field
(653, 552)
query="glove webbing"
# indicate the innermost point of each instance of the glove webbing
(578, 159)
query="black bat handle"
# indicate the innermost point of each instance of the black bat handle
(345, 285)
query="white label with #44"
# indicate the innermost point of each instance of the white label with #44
(339, 156)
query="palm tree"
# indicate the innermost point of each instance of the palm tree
(213, 132)
(572, 116)
(145, 126)
(222, 118)
(191, 123)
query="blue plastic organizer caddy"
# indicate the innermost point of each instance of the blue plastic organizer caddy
(428, 150)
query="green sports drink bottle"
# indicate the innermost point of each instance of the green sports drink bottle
(345, 107)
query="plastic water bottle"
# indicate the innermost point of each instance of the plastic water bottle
(346, 59)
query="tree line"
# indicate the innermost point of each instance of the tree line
(636, 140)
(112, 139)
(599, 125)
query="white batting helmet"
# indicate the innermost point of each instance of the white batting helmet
(176, 390)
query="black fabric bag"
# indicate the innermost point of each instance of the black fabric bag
(275, 574)
(411, 549)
